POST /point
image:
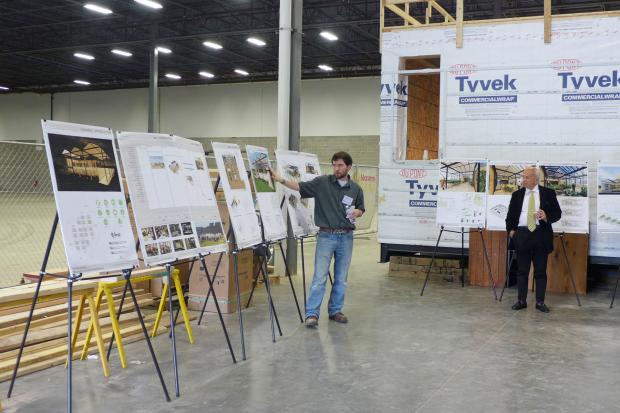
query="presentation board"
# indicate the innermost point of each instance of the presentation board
(90, 199)
(570, 183)
(234, 180)
(504, 179)
(608, 197)
(266, 196)
(461, 201)
(299, 167)
(171, 196)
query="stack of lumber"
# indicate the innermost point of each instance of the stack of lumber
(46, 345)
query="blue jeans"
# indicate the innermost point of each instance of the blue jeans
(340, 246)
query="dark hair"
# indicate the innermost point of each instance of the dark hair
(346, 158)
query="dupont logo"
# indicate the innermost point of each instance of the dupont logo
(460, 69)
(413, 173)
(368, 178)
(563, 65)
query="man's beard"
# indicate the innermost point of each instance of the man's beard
(340, 175)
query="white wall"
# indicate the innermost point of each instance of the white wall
(329, 107)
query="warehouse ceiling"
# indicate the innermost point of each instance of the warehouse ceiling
(39, 39)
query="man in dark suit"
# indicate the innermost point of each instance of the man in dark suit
(532, 210)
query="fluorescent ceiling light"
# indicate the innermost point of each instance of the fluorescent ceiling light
(241, 72)
(329, 36)
(206, 74)
(173, 76)
(97, 8)
(255, 41)
(326, 68)
(149, 3)
(84, 56)
(81, 82)
(122, 52)
(163, 50)
(4, 88)
(212, 45)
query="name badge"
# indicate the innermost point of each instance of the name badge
(347, 200)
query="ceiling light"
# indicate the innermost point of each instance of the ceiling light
(173, 76)
(255, 41)
(149, 3)
(207, 74)
(326, 68)
(98, 9)
(81, 82)
(4, 88)
(329, 36)
(163, 50)
(84, 56)
(241, 72)
(122, 52)
(212, 45)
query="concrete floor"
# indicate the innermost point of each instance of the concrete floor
(453, 350)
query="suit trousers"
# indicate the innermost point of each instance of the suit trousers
(531, 249)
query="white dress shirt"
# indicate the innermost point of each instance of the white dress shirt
(526, 200)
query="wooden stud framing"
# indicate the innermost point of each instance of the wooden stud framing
(459, 24)
(401, 13)
(547, 19)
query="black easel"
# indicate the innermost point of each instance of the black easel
(71, 278)
(486, 258)
(613, 297)
(570, 270)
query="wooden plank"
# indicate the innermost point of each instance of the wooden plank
(459, 24)
(547, 20)
(496, 248)
(442, 11)
(400, 12)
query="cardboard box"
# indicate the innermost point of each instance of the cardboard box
(224, 283)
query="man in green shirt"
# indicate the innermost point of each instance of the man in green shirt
(338, 202)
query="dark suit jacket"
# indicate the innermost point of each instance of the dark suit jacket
(548, 203)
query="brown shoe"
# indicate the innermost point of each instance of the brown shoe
(339, 318)
(312, 321)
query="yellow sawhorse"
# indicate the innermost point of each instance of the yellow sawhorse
(85, 296)
(105, 288)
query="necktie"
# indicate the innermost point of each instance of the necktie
(531, 210)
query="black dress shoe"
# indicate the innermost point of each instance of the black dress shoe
(542, 307)
(519, 305)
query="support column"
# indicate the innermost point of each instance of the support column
(153, 90)
(289, 85)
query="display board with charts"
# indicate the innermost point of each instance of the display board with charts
(171, 196)
(608, 197)
(461, 200)
(236, 185)
(274, 225)
(570, 183)
(299, 167)
(504, 179)
(90, 199)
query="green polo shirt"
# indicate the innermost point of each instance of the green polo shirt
(330, 200)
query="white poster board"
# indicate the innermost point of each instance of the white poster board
(266, 196)
(608, 197)
(171, 196)
(461, 201)
(570, 183)
(236, 185)
(90, 199)
(299, 167)
(504, 179)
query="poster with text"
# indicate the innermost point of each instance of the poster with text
(570, 183)
(266, 196)
(236, 185)
(172, 197)
(299, 167)
(90, 200)
(461, 201)
(608, 197)
(504, 179)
